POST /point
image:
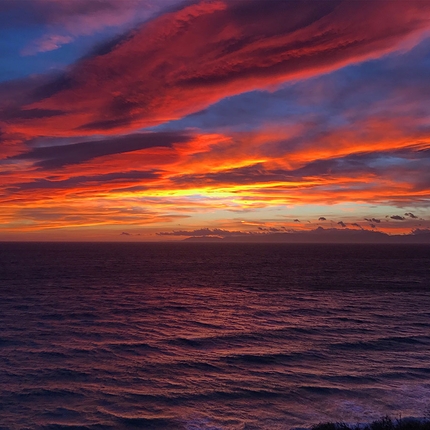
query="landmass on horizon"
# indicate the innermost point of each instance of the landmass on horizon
(320, 235)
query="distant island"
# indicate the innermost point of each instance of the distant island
(319, 235)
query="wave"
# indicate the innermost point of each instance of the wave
(74, 427)
(140, 420)
(273, 358)
(382, 344)
(324, 390)
(350, 379)
(244, 338)
(6, 342)
(267, 353)
(46, 393)
(183, 341)
(132, 347)
(208, 396)
(67, 375)
(150, 423)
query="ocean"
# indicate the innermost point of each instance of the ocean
(197, 336)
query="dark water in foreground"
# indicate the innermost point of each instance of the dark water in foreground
(219, 336)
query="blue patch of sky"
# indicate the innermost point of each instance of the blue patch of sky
(22, 23)
(15, 65)
(243, 112)
(387, 161)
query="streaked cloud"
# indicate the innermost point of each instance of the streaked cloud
(161, 71)
(54, 157)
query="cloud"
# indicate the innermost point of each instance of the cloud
(315, 182)
(397, 217)
(52, 215)
(273, 229)
(411, 215)
(377, 221)
(110, 180)
(54, 157)
(50, 42)
(183, 61)
(342, 224)
(393, 86)
(390, 175)
(321, 218)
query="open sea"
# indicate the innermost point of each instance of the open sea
(197, 336)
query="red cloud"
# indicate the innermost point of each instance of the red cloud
(183, 61)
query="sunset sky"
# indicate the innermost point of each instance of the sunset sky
(158, 120)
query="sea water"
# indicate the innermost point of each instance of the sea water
(211, 336)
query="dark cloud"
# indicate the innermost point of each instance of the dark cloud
(321, 218)
(51, 86)
(377, 221)
(272, 229)
(342, 224)
(84, 181)
(411, 215)
(52, 157)
(242, 175)
(296, 220)
(358, 163)
(31, 114)
(106, 125)
(397, 217)
(124, 233)
(357, 225)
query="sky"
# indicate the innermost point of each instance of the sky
(155, 120)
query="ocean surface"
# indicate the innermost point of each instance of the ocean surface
(212, 336)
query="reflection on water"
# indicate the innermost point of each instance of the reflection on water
(192, 336)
